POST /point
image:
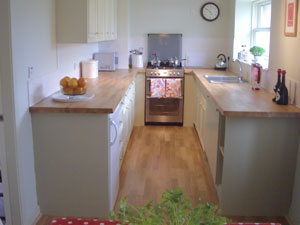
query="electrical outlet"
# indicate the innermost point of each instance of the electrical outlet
(30, 72)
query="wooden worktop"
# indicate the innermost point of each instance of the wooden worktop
(109, 89)
(239, 100)
(236, 100)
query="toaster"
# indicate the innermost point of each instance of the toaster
(108, 61)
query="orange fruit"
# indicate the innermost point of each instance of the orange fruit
(68, 91)
(78, 91)
(73, 83)
(64, 82)
(82, 82)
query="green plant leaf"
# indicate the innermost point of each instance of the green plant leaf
(257, 51)
(174, 209)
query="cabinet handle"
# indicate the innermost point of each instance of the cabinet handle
(116, 130)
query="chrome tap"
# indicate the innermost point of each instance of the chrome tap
(241, 69)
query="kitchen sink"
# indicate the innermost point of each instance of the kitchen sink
(223, 79)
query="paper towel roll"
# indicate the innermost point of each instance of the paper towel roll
(90, 69)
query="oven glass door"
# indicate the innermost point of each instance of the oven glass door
(164, 100)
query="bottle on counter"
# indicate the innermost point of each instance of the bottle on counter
(244, 53)
(256, 76)
(282, 97)
(277, 86)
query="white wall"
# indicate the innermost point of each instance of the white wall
(33, 44)
(202, 41)
(284, 54)
(121, 45)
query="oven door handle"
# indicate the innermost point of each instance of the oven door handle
(180, 78)
(149, 97)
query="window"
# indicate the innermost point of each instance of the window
(252, 28)
(261, 26)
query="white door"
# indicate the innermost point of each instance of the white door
(1, 109)
(114, 157)
(2, 157)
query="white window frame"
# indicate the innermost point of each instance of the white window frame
(255, 26)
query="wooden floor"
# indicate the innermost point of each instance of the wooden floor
(159, 158)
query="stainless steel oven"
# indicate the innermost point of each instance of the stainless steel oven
(164, 97)
(164, 80)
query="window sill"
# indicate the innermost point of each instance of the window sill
(264, 67)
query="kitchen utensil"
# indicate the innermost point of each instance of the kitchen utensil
(137, 51)
(221, 62)
(173, 61)
(155, 61)
(136, 58)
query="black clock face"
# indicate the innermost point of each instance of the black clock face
(210, 11)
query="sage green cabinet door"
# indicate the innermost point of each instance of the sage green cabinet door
(211, 127)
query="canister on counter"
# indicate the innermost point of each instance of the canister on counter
(90, 69)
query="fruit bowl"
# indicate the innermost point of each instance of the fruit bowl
(73, 92)
(73, 86)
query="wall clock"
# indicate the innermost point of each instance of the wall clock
(210, 11)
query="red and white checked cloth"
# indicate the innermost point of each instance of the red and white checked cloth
(65, 221)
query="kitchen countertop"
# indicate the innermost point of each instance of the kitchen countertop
(237, 100)
(109, 89)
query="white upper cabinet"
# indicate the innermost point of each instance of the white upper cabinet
(85, 21)
(110, 19)
(93, 30)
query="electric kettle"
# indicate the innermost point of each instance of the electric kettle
(221, 62)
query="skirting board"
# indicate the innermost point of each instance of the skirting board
(32, 220)
(289, 220)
